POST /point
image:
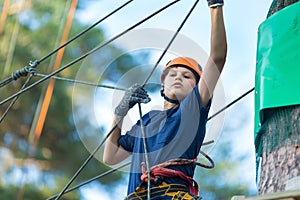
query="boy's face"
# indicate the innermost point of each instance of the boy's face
(179, 82)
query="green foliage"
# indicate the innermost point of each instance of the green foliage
(27, 192)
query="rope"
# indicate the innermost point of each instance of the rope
(88, 53)
(146, 152)
(212, 163)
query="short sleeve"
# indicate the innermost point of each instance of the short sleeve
(127, 141)
(194, 99)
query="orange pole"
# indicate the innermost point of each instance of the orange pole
(4, 15)
(49, 92)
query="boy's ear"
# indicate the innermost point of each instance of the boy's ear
(162, 90)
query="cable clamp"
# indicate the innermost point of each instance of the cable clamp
(25, 70)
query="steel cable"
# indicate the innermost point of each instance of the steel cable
(83, 82)
(230, 104)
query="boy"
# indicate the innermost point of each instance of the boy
(173, 136)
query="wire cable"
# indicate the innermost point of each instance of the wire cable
(83, 82)
(20, 73)
(230, 104)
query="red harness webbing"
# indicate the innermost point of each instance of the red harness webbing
(161, 170)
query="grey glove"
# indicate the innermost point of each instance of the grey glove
(215, 3)
(135, 94)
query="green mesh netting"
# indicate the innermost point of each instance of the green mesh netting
(277, 81)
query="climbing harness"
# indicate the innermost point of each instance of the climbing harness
(159, 171)
(165, 191)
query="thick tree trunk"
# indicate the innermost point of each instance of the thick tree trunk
(280, 139)
(280, 163)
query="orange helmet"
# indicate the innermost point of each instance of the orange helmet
(187, 62)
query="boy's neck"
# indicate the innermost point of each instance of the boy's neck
(168, 105)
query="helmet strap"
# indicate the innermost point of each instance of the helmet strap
(167, 98)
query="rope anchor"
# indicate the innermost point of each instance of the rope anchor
(25, 70)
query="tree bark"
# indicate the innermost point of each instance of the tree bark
(281, 150)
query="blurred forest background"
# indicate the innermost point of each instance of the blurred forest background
(37, 167)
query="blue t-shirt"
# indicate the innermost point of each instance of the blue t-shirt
(174, 133)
